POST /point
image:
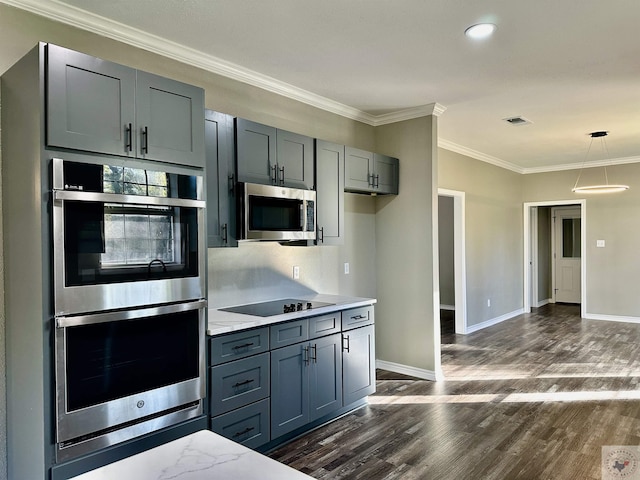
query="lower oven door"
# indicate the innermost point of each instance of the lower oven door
(117, 369)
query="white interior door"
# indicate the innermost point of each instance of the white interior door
(567, 254)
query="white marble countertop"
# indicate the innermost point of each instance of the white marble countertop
(199, 456)
(224, 322)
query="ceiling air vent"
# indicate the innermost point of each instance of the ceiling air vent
(517, 120)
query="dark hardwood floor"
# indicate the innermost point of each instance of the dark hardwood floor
(535, 397)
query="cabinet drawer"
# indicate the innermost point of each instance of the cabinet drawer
(357, 317)
(238, 345)
(248, 426)
(324, 325)
(236, 384)
(288, 333)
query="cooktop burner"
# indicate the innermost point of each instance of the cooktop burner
(276, 307)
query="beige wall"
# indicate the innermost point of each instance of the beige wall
(406, 238)
(611, 272)
(494, 234)
(544, 254)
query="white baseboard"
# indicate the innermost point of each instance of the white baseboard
(494, 321)
(611, 318)
(407, 370)
(542, 303)
(448, 307)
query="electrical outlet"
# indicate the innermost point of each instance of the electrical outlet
(296, 272)
(346, 268)
(488, 302)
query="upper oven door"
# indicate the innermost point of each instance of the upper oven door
(125, 237)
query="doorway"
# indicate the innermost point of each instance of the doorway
(451, 254)
(567, 253)
(574, 211)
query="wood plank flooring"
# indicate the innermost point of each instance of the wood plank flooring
(535, 397)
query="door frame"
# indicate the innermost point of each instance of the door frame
(528, 258)
(459, 263)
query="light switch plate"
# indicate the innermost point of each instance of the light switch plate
(600, 243)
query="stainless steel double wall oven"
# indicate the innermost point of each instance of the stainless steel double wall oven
(129, 288)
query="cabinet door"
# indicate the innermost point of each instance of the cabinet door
(256, 152)
(358, 364)
(358, 170)
(325, 376)
(90, 103)
(289, 388)
(330, 193)
(294, 154)
(170, 120)
(386, 171)
(221, 202)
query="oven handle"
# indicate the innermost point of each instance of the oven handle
(130, 199)
(63, 322)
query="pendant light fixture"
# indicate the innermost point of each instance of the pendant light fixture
(601, 188)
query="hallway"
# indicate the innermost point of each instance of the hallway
(535, 397)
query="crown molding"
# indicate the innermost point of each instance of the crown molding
(409, 114)
(576, 166)
(104, 27)
(498, 162)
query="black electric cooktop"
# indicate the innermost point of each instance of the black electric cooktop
(276, 307)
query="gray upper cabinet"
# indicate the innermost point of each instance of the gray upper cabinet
(100, 106)
(169, 120)
(329, 193)
(221, 205)
(294, 155)
(358, 169)
(90, 103)
(256, 152)
(386, 171)
(269, 156)
(367, 172)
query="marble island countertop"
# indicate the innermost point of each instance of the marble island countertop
(224, 322)
(199, 456)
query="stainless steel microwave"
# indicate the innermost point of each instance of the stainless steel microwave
(268, 212)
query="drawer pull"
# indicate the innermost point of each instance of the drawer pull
(241, 384)
(244, 345)
(358, 317)
(243, 432)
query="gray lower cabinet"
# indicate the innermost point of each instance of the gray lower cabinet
(367, 172)
(269, 156)
(221, 200)
(306, 383)
(100, 106)
(269, 381)
(329, 193)
(358, 363)
(248, 425)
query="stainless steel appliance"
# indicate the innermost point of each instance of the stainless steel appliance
(121, 374)
(126, 237)
(276, 307)
(269, 212)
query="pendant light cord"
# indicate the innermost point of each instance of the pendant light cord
(583, 163)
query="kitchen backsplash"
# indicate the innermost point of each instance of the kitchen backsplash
(258, 271)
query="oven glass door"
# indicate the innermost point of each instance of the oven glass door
(117, 367)
(126, 237)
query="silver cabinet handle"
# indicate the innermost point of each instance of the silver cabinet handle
(346, 344)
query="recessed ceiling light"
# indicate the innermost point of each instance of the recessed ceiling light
(480, 30)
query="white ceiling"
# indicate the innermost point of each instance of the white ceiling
(569, 66)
